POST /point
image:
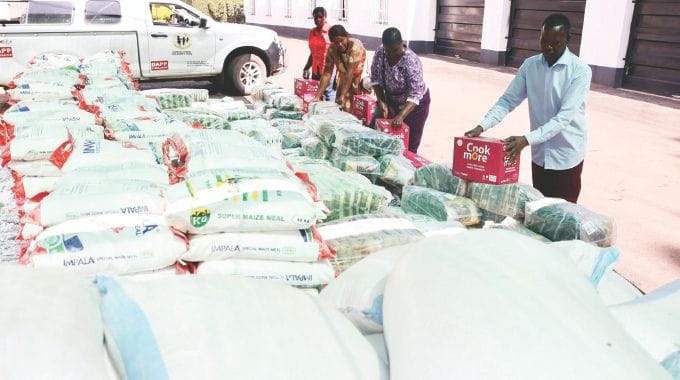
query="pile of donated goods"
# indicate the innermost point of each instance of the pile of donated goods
(162, 234)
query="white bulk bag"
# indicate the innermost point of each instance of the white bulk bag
(492, 304)
(52, 328)
(217, 327)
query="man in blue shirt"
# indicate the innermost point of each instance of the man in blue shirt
(556, 83)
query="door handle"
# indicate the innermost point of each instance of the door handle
(159, 35)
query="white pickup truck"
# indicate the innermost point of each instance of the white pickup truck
(163, 40)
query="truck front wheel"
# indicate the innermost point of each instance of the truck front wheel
(244, 72)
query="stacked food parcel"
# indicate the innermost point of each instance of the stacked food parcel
(168, 235)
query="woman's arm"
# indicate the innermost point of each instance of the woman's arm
(305, 71)
(347, 79)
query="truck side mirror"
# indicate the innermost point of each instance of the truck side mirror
(204, 23)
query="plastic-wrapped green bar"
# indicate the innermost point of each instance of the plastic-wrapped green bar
(439, 205)
(508, 200)
(439, 177)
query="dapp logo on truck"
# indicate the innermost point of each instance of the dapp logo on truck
(6, 52)
(159, 65)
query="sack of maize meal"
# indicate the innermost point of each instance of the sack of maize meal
(315, 148)
(439, 205)
(113, 244)
(439, 177)
(559, 220)
(508, 200)
(343, 193)
(481, 294)
(300, 274)
(217, 317)
(360, 140)
(297, 245)
(357, 164)
(201, 120)
(396, 170)
(215, 204)
(85, 197)
(323, 108)
(324, 126)
(355, 237)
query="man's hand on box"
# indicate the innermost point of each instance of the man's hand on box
(513, 147)
(474, 132)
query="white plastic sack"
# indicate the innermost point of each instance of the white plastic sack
(590, 259)
(111, 244)
(247, 205)
(100, 197)
(212, 327)
(358, 292)
(291, 273)
(654, 320)
(303, 245)
(491, 304)
(52, 326)
(614, 289)
(39, 168)
(378, 343)
(89, 153)
(37, 143)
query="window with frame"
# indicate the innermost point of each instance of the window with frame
(102, 12)
(312, 5)
(47, 12)
(289, 9)
(268, 9)
(173, 15)
(381, 12)
(340, 10)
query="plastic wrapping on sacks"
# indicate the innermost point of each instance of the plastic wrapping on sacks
(143, 129)
(593, 261)
(113, 244)
(558, 220)
(508, 200)
(42, 106)
(41, 91)
(300, 246)
(260, 131)
(478, 298)
(170, 98)
(196, 94)
(510, 224)
(56, 324)
(239, 114)
(653, 320)
(292, 115)
(90, 152)
(439, 205)
(292, 132)
(292, 152)
(324, 125)
(315, 148)
(207, 205)
(202, 120)
(259, 91)
(396, 170)
(229, 317)
(356, 164)
(64, 117)
(287, 102)
(435, 227)
(439, 177)
(291, 273)
(355, 237)
(344, 193)
(323, 108)
(359, 140)
(65, 77)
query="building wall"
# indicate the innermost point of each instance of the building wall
(414, 18)
(605, 35)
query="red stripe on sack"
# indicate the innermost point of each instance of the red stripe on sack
(24, 257)
(325, 250)
(177, 168)
(62, 153)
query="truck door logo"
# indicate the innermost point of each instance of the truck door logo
(159, 65)
(182, 40)
(6, 52)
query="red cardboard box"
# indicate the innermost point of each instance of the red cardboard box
(482, 159)
(416, 160)
(306, 86)
(305, 101)
(363, 107)
(385, 125)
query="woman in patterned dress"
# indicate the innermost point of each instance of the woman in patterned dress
(348, 56)
(397, 79)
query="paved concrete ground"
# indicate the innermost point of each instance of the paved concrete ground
(632, 168)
